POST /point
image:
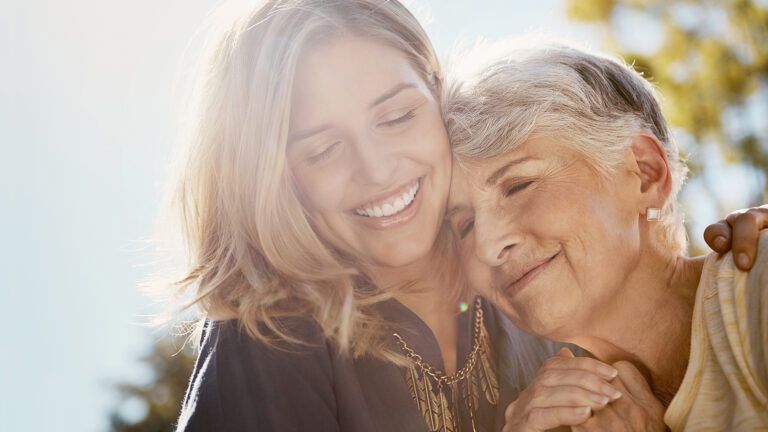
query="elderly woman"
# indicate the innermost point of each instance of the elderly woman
(565, 200)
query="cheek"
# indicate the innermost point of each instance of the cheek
(478, 275)
(614, 231)
(320, 189)
(603, 249)
(429, 140)
(561, 219)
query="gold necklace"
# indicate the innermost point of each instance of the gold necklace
(478, 375)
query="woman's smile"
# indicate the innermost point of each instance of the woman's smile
(396, 208)
(393, 202)
(527, 274)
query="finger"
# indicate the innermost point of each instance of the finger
(718, 236)
(607, 419)
(565, 352)
(567, 396)
(746, 230)
(577, 378)
(549, 418)
(510, 409)
(632, 380)
(584, 363)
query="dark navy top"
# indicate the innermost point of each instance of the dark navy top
(239, 384)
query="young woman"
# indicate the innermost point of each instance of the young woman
(312, 194)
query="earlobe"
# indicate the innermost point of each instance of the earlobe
(653, 169)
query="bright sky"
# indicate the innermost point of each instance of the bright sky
(87, 112)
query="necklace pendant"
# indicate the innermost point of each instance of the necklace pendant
(428, 385)
(446, 416)
(432, 414)
(455, 405)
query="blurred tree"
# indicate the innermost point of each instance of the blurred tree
(709, 59)
(159, 401)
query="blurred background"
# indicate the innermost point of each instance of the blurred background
(89, 96)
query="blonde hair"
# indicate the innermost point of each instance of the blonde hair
(543, 88)
(253, 252)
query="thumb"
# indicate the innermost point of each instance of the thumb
(565, 352)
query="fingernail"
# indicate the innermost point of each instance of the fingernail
(607, 371)
(719, 242)
(602, 400)
(611, 392)
(742, 260)
(582, 410)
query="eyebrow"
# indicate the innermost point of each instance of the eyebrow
(500, 172)
(298, 136)
(389, 94)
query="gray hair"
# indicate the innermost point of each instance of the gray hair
(599, 103)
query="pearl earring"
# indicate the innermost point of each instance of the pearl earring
(653, 214)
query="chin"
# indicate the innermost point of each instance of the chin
(405, 252)
(408, 248)
(537, 313)
(551, 323)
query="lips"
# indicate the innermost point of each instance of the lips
(393, 208)
(394, 203)
(524, 275)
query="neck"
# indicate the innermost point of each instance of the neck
(425, 291)
(419, 286)
(648, 321)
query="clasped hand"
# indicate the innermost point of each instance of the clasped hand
(587, 395)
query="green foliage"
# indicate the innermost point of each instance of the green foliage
(704, 67)
(170, 368)
(598, 10)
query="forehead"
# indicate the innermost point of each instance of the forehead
(349, 69)
(482, 174)
(475, 178)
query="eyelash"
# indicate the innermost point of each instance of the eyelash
(466, 228)
(517, 188)
(402, 119)
(323, 154)
(327, 152)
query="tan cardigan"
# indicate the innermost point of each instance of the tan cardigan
(725, 387)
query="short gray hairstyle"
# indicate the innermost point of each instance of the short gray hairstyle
(550, 89)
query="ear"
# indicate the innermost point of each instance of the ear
(652, 170)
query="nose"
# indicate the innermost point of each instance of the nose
(495, 236)
(375, 164)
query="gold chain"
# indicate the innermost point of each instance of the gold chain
(438, 375)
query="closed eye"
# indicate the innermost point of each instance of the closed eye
(323, 154)
(466, 228)
(517, 188)
(400, 120)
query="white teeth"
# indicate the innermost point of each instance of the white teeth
(399, 205)
(390, 208)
